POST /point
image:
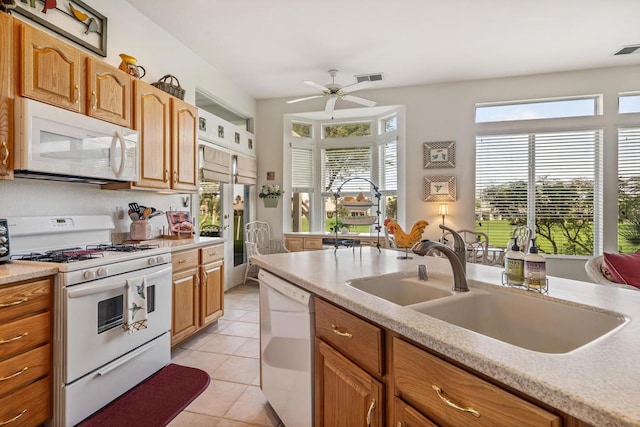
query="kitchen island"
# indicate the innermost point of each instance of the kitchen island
(598, 383)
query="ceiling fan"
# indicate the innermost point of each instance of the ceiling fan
(334, 91)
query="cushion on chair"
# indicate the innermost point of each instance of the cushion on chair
(624, 268)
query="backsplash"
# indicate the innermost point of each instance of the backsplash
(30, 197)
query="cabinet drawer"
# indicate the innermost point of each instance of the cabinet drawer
(24, 368)
(312, 244)
(211, 253)
(184, 260)
(354, 337)
(29, 406)
(417, 374)
(294, 244)
(23, 299)
(23, 334)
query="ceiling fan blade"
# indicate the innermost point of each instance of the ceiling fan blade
(358, 100)
(331, 103)
(304, 99)
(356, 86)
(316, 85)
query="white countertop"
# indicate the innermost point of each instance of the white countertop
(598, 383)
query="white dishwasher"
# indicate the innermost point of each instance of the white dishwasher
(286, 349)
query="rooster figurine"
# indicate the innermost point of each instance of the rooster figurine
(406, 240)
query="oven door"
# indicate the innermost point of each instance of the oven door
(94, 316)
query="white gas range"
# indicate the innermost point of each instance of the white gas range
(95, 358)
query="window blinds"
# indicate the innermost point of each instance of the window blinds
(340, 164)
(629, 189)
(389, 167)
(550, 178)
(302, 170)
(215, 165)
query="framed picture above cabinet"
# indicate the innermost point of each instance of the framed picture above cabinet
(72, 19)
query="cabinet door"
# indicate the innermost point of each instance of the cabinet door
(50, 70)
(345, 394)
(185, 305)
(184, 142)
(109, 93)
(152, 122)
(6, 95)
(211, 292)
(294, 244)
(406, 416)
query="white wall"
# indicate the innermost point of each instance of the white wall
(447, 112)
(132, 33)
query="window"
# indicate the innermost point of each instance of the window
(389, 124)
(301, 130)
(628, 190)
(629, 104)
(537, 110)
(345, 130)
(302, 188)
(340, 164)
(550, 181)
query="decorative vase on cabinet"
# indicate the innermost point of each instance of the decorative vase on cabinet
(271, 201)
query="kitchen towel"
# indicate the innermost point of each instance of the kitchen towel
(136, 304)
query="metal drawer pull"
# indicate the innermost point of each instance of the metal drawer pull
(14, 339)
(371, 407)
(453, 405)
(14, 303)
(6, 152)
(22, 371)
(338, 332)
(182, 261)
(4, 423)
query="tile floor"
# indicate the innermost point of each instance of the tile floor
(230, 352)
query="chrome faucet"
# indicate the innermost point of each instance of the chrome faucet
(457, 257)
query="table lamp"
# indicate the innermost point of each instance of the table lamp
(443, 210)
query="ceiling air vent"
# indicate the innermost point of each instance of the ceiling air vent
(375, 77)
(628, 50)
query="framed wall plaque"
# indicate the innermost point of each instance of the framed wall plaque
(72, 19)
(439, 154)
(440, 188)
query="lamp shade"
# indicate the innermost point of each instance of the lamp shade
(443, 209)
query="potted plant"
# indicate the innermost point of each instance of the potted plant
(270, 194)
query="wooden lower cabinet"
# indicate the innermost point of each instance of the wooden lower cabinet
(303, 242)
(25, 353)
(346, 395)
(198, 290)
(422, 389)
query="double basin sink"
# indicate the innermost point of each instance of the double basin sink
(524, 319)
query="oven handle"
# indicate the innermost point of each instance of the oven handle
(127, 358)
(89, 289)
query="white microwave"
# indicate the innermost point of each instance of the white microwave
(54, 143)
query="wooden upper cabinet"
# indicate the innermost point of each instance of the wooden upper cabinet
(6, 97)
(152, 111)
(50, 70)
(184, 145)
(108, 93)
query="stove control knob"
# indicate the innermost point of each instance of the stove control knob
(102, 272)
(3, 250)
(151, 261)
(160, 260)
(3, 240)
(89, 275)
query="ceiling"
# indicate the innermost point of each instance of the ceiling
(268, 47)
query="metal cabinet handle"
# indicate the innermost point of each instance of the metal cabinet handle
(94, 100)
(77, 94)
(370, 412)
(337, 331)
(166, 175)
(11, 304)
(453, 405)
(5, 148)
(206, 276)
(19, 337)
(182, 261)
(175, 177)
(20, 372)
(4, 423)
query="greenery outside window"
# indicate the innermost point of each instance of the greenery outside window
(346, 130)
(301, 130)
(628, 190)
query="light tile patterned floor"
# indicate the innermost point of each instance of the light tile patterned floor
(230, 352)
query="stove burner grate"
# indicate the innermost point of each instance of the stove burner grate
(122, 247)
(61, 255)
